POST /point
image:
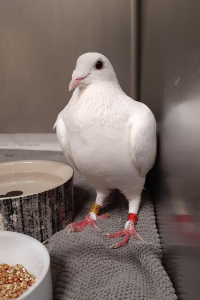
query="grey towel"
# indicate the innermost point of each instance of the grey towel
(83, 266)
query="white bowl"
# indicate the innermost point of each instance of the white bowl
(17, 248)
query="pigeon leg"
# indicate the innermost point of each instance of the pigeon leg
(133, 196)
(91, 218)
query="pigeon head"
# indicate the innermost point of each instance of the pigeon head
(92, 68)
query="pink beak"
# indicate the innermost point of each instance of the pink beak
(75, 82)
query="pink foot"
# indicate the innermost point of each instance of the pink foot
(126, 232)
(89, 220)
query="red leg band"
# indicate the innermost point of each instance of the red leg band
(132, 217)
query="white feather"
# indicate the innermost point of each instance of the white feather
(143, 139)
(63, 139)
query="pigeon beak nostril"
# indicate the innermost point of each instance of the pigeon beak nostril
(80, 78)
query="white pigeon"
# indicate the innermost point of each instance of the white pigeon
(108, 137)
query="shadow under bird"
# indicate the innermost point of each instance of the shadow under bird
(108, 137)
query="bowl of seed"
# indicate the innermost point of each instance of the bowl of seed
(24, 268)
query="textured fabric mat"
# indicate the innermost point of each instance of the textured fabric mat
(83, 266)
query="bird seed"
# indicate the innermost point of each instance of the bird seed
(14, 281)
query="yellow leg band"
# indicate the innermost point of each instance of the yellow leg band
(95, 208)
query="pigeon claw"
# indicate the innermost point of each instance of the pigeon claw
(114, 235)
(69, 228)
(126, 233)
(102, 217)
(79, 226)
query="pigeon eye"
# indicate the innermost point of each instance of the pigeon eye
(99, 65)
